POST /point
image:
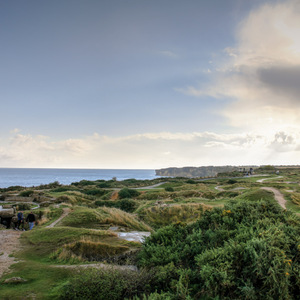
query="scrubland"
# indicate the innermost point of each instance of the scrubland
(219, 238)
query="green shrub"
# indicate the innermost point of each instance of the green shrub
(103, 185)
(169, 189)
(246, 250)
(231, 181)
(62, 189)
(51, 185)
(27, 193)
(127, 205)
(191, 181)
(94, 192)
(24, 206)
(103, 284)
(128, 193)
(83, 183)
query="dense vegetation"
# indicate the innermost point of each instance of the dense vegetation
(219, 238)
(245, 250)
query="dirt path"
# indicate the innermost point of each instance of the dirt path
(9, 243)
(270, 178)
(98, 266)
(278, 196)
(66, 211)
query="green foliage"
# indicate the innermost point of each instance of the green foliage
(169, 189)
(83, 183)
(103, 185)
(106, 284)
(164, 215)
(103, 217)
(127, 205)
(191, 181)
(227, 194)
(62, 189)
(231, 181)
(95, 192)
(258, 194)
(24, 206)
(51, 185)
(26, 193)
(246, 250)
(128, 193)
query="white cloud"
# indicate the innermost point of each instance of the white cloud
(151, 150)
(261, 73)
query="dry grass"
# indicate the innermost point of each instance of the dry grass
(296, 198)
(90, 248)
(103, 217)
(164, 215)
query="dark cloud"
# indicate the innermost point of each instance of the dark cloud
(284, 81)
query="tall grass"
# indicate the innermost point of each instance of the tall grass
(159, 216)
(103, 217)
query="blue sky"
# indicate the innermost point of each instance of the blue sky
(149, 84)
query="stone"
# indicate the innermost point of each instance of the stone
(15, 280)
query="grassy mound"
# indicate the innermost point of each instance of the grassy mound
(88, 250)
(74, 245)
(103, 217)
(158, 216)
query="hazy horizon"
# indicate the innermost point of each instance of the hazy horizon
(149, 84)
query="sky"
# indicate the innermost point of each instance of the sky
(139, 84)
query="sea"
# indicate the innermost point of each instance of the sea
(34, 176)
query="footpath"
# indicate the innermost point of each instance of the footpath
(9, 243)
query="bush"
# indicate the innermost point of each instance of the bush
(127, 205)
(128, 193)
(27, 193)
(103, 185)
(246, 250)
(103, 284)
(62, 189)
(24, 206)
(169, 189)
(191, 181)
(231, 181)
(95, 192)
(83, 183)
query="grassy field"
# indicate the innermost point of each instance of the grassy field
(82, 237)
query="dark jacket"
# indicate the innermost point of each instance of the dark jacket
(20, 216)
(30, 218)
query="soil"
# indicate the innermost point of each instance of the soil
(9, 243)
(278, 196)
(64, 214)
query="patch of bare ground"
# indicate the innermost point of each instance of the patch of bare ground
(64, 214)
(278, 196)
(9, 240)
(99, 266)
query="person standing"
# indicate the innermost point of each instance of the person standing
(31, 220)
(20, 220)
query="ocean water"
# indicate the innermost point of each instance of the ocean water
(35, 177)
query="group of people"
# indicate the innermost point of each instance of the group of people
(30, 219)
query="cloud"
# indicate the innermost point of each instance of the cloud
(260, 75)
(151, 150)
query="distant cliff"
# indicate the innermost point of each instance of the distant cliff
(210, 171)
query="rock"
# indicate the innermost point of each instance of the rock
(15, 280)
(113, 228)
